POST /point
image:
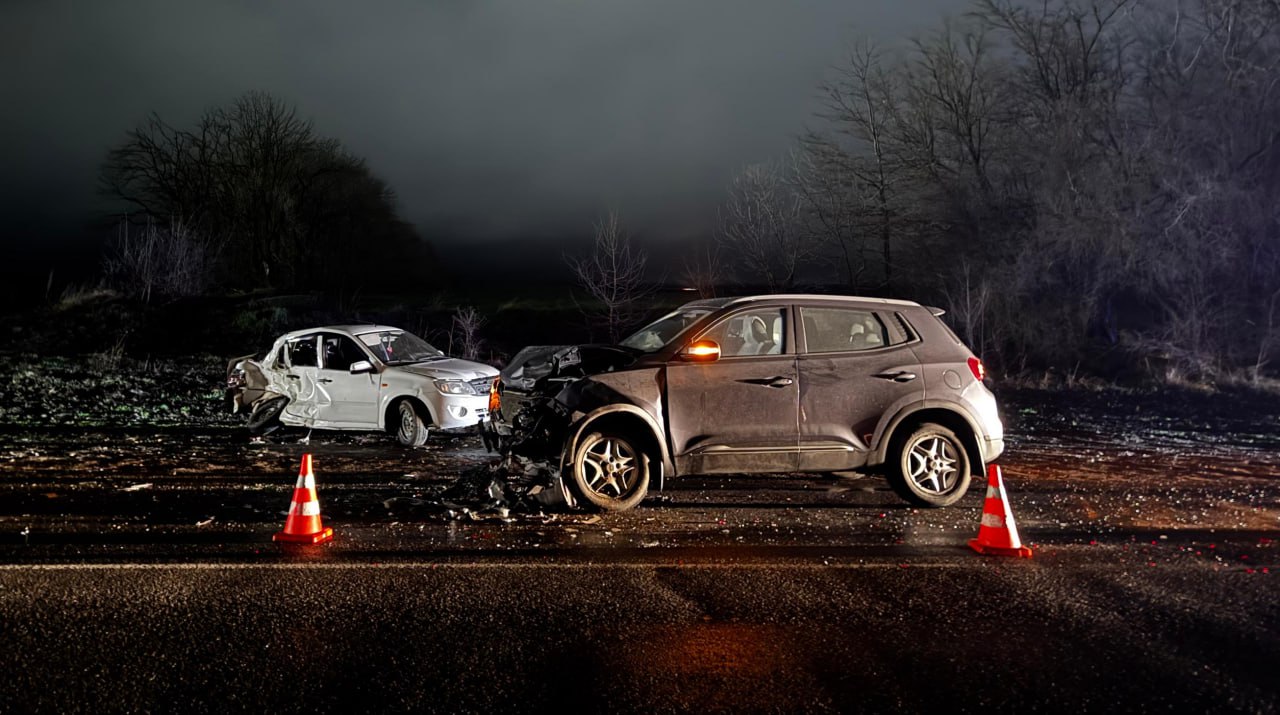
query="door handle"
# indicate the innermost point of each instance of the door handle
(776, 381)
(292, 377)
(324, 379)
(899, 376)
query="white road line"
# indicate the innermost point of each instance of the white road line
(430, 565)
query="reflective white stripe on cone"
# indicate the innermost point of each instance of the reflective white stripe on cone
(997, 532)
(303, 525)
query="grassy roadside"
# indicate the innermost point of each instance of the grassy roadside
(105, 362)
(106, 391)
(110, 390)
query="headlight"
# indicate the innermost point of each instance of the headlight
(455, 387)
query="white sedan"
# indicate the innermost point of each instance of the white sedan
(360, 377)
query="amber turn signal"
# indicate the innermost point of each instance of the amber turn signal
(495, 397)
(702, 351)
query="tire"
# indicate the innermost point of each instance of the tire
(265, 417)
(609, 473)
(411, 430)
(930, 468)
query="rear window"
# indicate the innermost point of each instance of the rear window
(837, 330)
(302, 351)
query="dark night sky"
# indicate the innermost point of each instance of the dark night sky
(491, 120)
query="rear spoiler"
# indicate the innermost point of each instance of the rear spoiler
(937, 312)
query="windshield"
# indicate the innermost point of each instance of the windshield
(396, 347)
(663, 331)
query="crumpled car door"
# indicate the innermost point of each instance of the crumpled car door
(300, 381)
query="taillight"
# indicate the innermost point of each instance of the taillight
(978, 369)
(495, 397)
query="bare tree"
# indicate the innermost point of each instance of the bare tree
(704, 267)
(291, 208)
(955, 74)
(1113, 163)
(967, 305)
(160, 261)
(831, 200)
(466, 325)
(851, 190)
(613, 275)
(761, 223)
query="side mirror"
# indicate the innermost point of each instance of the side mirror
(360, 366)
(701, 351)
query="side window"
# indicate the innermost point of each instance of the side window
(302, 351)
(752, 332)
(837, 330)
(340, 352)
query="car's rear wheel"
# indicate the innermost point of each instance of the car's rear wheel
(265, 417)
(609, 472)
(412, 429)
(930, 467)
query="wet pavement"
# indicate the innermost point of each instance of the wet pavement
(137, 569)
(1098, 467)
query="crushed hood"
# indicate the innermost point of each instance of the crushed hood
(537, 362)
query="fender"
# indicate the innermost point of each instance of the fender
(385, 399)
(890, 425)
(579, 429)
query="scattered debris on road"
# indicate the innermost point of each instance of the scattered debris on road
(510, 484)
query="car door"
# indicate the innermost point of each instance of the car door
(737, 414)
(352, 400)
(854, 365)
(301, 371)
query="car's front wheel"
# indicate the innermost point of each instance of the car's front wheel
(411, 431)
(930, 467)
(609, 472)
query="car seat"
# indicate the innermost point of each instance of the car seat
(731, 343)
(770, 342)
(756, 339)
(862, 336)
(332, 355)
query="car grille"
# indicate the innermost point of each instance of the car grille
(481, 384)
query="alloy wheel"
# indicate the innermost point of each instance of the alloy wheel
(932, 465)
(609, 468)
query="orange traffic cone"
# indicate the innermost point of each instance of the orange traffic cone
(302, 526)
(998, 535)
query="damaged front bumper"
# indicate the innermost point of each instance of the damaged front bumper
(538, 480)
(531, 447)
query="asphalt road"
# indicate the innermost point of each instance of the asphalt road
(137, 573)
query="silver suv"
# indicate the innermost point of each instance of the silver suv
(776, 383)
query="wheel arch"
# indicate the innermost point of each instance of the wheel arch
(628, 419)
(390, 421)
(945, 414)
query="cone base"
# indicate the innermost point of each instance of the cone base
(1022, 552)
(325, 534)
